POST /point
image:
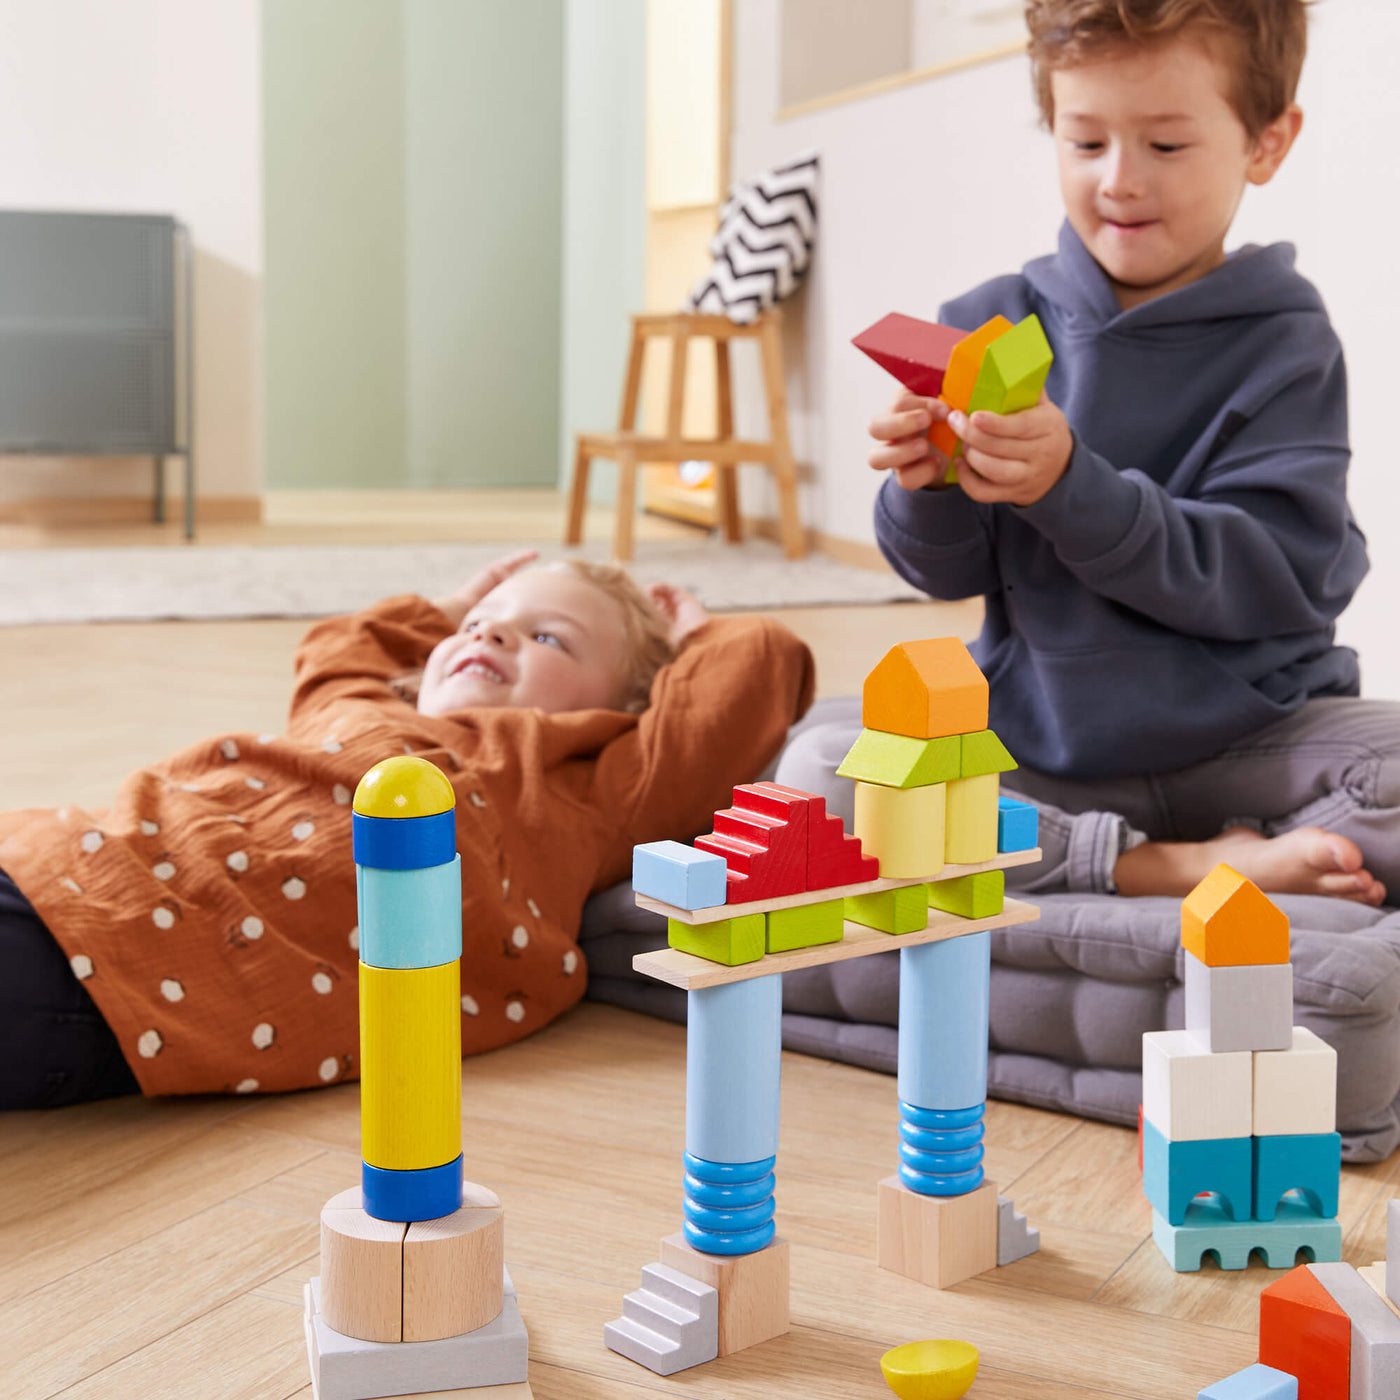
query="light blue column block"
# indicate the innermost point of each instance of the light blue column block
(732, 1066)
(679, 875)
(410, 918)
(943, 1007)
(1018, 825)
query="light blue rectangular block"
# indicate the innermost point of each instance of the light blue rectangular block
(1255, 1382)
(1018, 825)
(680, 875)
(410, 918)
(1207, 1230)
(1174, 1173)
(943, 1013)
(733, 1061)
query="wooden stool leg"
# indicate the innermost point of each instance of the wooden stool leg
(626, 506)
(578, 496)
(726, 476)
(784, 468)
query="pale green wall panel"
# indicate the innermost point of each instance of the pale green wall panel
(604, 245)
(334, 243)
(483, 92)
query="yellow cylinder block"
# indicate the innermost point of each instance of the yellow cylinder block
(904, 827)
(972, 819)
(410, 1066)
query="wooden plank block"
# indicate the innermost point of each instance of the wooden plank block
(1003, 861)
(683, 970)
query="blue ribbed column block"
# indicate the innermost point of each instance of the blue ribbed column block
(940, 1153)
(729, 1205)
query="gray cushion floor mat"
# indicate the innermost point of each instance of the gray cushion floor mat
(1071, 996)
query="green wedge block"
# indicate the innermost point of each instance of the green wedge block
(983, 752)
(904, 910)
(727, 941)
(806, 925)
(1014, 370)
(970, 896)
(897, 761)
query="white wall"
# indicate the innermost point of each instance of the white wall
(149, 106)
(909, 218)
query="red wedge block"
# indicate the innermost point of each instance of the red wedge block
(915, 352)
(1304, 1332)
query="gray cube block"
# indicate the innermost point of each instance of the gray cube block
(1375, 1332)
(346, 1368)
(1239, 1008)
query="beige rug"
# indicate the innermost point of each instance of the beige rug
(226, 581)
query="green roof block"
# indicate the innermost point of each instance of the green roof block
(897, 761)
(983, 753)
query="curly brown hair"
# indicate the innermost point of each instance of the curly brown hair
(1265, 41)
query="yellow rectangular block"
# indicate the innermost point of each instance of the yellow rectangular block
(971, 820)
(904, 827)
(410, 1065)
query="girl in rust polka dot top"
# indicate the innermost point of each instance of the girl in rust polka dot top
(199, 935)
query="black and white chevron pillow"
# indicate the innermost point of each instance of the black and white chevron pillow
(766, 231)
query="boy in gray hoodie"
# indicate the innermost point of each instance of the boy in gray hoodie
(1163, 542)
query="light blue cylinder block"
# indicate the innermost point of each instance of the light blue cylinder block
(732, 1067)
(410, 918)
(943, 1011)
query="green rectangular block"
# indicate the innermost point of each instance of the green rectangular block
(727, 941)
(904, 910)
(982, 753)
(970, 896)
(806, 925)
(896, 760)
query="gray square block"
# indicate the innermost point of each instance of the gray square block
(1375, 1332)
(346, 1368)
(1392, 1251)
(1239, 1008)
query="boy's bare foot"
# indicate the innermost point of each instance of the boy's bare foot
(1306, 861)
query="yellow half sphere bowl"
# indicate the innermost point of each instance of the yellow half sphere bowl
(940, 1370)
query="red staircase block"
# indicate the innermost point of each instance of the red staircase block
(833, 856)
(1303, 1331)
(766, 852)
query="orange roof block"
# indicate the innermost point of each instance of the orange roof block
(926, 690)
(1228, 921)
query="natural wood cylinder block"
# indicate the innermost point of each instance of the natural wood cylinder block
(453, 1269)
(361, 1270)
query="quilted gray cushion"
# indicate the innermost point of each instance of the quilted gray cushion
(1071, 997)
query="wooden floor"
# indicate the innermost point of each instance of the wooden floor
(157, 1250)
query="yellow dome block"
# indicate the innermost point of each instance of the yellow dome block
(1228, 921)
(938, 1370)
(404, 787)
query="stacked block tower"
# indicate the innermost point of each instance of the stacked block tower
(778, 885)
(998, 367)
(1327, 1331)
(1241, 1104)
(413, 1295)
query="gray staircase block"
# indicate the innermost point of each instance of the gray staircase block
(668, 1324)
(1015, 1239)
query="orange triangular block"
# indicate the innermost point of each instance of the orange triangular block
(1228, 921)
(1304, 1332)
(926, 690)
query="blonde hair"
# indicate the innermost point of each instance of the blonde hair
(1266, 42)
(648, 635)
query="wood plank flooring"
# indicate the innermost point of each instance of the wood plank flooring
(157, 1249)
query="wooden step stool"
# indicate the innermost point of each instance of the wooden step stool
(631, 449)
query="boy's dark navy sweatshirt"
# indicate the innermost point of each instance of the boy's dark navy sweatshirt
(1176, 589)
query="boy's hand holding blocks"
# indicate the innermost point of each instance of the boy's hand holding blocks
(990, 411)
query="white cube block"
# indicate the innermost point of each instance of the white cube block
(1240, 1008)
(1188, 1093)
(1295, 1090)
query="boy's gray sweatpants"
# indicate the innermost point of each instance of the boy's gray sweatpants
(1334, 764)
